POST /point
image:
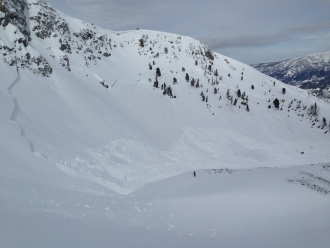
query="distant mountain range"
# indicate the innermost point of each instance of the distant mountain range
(311, 72)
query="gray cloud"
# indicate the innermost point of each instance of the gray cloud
(314, 27)
(310, 37)
(248, 40)
(123, 14)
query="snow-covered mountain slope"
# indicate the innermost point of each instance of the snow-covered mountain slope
(311, 72)
(92, 140)
(84, 99)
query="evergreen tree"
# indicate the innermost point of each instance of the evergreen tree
(239, 93)
(187, 77)
(283, 91)
(175, 81)
(169, 91)
(158, 72)
(313, 110)
(324, 123)
(228, 94)
(216, 73)
(209, 55)
(156, 84)
(141, 42)
(252, 86)
(276, 103)
(197, 83)
(192, 82)
(150, 67)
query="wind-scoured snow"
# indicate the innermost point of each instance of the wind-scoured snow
(91, 148)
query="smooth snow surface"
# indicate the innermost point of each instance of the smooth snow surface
(283, 207)
(82, 165)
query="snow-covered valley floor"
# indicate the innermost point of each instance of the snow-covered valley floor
(265, 207)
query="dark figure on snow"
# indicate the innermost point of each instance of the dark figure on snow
(194, 173)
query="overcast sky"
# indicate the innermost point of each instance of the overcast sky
(249, 31)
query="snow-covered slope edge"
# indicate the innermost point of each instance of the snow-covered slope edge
(85, 100)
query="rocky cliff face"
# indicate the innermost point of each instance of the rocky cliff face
(26, 20)
(16, 35)
(13, 11)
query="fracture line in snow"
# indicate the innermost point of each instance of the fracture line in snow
(113, 85)
(14, 115)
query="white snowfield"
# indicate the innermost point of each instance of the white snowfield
(93, 155)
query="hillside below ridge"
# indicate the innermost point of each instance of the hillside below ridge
(123, 109)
